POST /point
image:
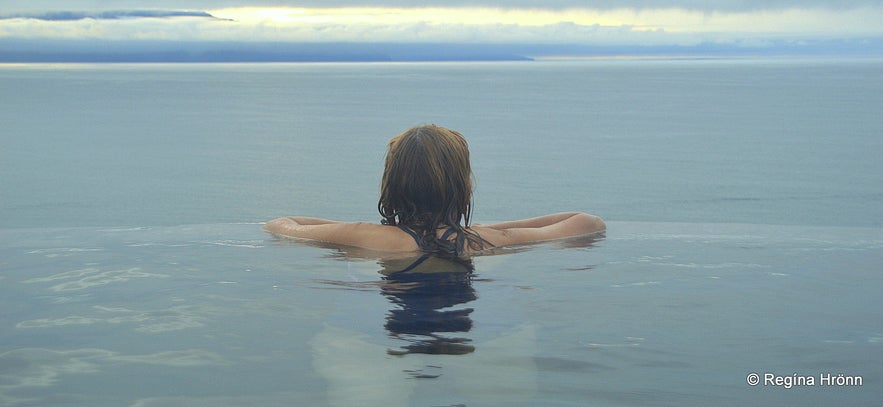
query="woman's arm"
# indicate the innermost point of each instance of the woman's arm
(296, 226)
(537, 222)
(310, 228)
(304, 220)
(357, 234)
(543, 228)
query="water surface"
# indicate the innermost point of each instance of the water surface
(650, 313)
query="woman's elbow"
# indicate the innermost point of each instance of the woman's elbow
(279, 226)
(588, 224)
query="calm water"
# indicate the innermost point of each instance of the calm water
(770, 142)
(653, 313)
(743, 199)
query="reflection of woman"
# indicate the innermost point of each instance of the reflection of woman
(426, 204)
(425, 297)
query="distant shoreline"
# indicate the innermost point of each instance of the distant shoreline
(235, 57)
(539, 59)
(137, 51)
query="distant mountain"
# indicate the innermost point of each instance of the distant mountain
(23, 51)
(168, 51)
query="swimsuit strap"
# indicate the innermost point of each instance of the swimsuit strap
(415, 263)
(417, 239)
(425, 256)
(410, 232)
(447, 234)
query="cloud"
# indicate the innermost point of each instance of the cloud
(634, 26)
(90, 277)
(37, 35)
(170, 319)
(107, 15)
(40, 367)
(702, 5)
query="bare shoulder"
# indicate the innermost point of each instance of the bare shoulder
(374, 236)
(496, 237)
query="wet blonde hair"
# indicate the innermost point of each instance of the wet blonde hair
(427, 185)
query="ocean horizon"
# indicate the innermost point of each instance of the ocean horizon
(15, 50)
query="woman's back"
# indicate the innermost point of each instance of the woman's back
(426, 205)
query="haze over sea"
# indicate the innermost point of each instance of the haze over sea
(769, 141)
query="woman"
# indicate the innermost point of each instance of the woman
(425, 202)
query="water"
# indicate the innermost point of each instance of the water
(743, 200)
(769, 142)
(652, 313)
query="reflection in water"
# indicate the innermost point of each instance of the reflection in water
(424, 291)
(424, 297)
(581, 242)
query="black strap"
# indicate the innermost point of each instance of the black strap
(425, 256)
(417, 239)
(411, 232)
(415, 263)
(447, 234)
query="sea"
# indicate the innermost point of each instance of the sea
(741, 264)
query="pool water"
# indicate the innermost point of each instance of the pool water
(645, 314)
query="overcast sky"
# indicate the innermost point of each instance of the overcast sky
(600, 22)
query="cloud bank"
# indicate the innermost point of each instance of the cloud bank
(471, 24)
(106, 15)
(700, 5)
(673, 23)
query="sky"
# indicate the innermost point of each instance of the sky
(646, 23)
